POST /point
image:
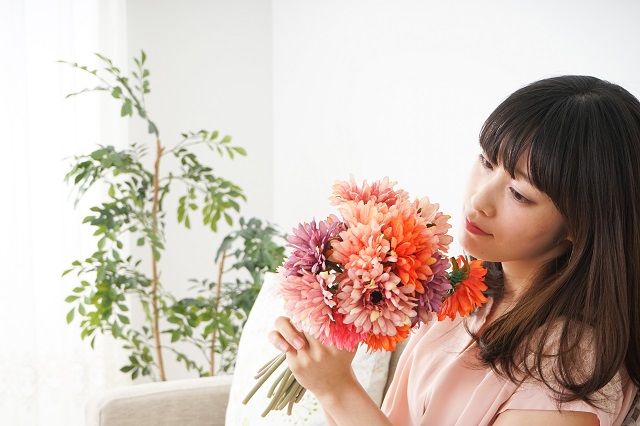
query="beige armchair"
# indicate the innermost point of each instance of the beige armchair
(190, 402)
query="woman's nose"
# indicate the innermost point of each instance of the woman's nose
(483, 198)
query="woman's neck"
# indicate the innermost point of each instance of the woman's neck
(515, 283)
(516, 279)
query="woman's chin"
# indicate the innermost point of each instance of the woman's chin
(467, 246)
(472, 250)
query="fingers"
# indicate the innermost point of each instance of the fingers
(285, 337)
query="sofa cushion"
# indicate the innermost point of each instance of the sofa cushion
(255, 350)
(193, 402)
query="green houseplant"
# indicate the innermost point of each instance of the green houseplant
(133, 209)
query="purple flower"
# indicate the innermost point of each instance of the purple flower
(310, 243)
(434, 290)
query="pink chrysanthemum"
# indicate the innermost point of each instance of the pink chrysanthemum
(310, 242)
(437, 222)
(380, 192)
(343, 336)
(309, 300)
(377, 306)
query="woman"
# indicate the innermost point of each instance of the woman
(553, 209)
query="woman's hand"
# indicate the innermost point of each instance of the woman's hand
(319, 368)
(286, 337)
(326, 372)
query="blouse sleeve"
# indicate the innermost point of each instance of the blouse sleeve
(534, 395)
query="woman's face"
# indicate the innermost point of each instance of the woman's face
(509, 220)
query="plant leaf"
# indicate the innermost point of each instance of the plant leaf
(127, 108)
(116, 92)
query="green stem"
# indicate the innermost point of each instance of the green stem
(276, 398)
(265, 367)
(278, 360)
(291, 389)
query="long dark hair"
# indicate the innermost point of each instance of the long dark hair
(581, 138)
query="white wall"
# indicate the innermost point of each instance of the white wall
(401, 89)
(210, 64)
(319, 90)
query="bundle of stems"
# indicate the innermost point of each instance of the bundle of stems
(285, 390)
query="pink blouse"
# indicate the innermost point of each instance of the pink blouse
(439, 381)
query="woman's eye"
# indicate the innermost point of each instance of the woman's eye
(485, 163)
(519, 197)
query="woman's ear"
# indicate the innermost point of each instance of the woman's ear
(567, 237)
(565, 245)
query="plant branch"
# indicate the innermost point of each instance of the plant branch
(215, 312)
(189, 142)
(154, 261)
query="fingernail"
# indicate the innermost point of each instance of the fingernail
(298, 343)
(283, 347)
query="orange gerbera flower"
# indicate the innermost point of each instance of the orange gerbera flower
(467, 279)
(412, 245)
(377, 342)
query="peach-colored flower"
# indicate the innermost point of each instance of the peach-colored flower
(361, 212)
(380, 192)
(362, 246)
(436, 221)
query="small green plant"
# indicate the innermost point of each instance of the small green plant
(134, 210)
(223, 306)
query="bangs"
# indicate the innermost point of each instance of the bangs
(506, 143)
(529, 127)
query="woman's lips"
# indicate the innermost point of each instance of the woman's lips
(473, 228)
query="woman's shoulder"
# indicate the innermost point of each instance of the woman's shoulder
(610, 403)
(567, 352)
(561, 344)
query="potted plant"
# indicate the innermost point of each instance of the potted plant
(134, 208)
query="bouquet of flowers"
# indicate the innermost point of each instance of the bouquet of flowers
(371, 276)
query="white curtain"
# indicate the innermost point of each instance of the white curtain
(46, 371)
